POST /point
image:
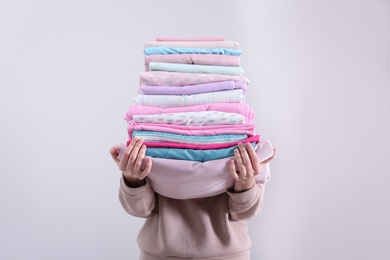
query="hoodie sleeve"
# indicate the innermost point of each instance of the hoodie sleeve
(138, 202)
(247, 204)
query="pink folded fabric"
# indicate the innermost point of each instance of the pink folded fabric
(182, 179)
(191, 39)
(199, 59)
(239, 108)
(198, 44)
(166, 78)
(255, 138)
(247, 129)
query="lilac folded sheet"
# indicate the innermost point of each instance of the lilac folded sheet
(193, 89)
(180, 179)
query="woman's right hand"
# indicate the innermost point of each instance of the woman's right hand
(133, 163)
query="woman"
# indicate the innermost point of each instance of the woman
(203, 228)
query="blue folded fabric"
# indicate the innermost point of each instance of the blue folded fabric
(172, 50)
(191, 154)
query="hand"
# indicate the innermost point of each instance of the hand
(134, 165)
(245, 166)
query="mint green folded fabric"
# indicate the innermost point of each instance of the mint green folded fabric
(194, 68)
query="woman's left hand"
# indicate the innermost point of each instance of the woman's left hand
(245, 166)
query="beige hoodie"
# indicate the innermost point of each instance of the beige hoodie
(206, 228)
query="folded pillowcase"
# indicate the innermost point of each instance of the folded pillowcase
(181, 179)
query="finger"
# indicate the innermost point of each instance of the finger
(140, 158)
(114, 151)
(134, 154)
(253, 158)
(232, 169)
(126, 154)
(240, 163)
(147, 169)
(245, 158)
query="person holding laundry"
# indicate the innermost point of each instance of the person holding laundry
(200, 228)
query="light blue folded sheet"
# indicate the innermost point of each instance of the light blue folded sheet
(172, 50)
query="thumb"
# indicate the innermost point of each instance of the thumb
(114, 151)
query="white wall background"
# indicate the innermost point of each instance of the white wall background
(320, 83)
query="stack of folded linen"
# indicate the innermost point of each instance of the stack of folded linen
(190, 110)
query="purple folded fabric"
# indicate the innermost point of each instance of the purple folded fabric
(192, 89)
